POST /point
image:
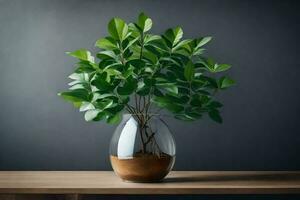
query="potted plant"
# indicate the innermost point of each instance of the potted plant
(140, 74)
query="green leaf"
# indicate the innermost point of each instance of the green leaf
(215, 104)
(114, 119)
(160, 44)
(118, 29)
(196, 101)
(101, 83)
(149, 38)
(106, 62)
(170, 87)
(162, 101)
(211, 82)
(113, 66)
(215, 115)
(189, 71)
(137, 63)
(221, 67)
(144, 22)
(181, 44)
(151, 57)
(198, 52)
(82, 54)
(178, 33)
(178, 99)
(131, 43)
(168, 104)
(76, 95)
(202, 41)
(144, 91)
(174, 35)
(188, 115)
(100, 116)
(170, 60)
(209, 64)
(77, 104)
(80, 86)
(212, 66)
(79, 77)
(144, 87)
(98, 96)
(141, 84)
(91, 114)
(117, 108)
(107, 55)
(106, 104)
(84, 67)
(75, 82)
(107, 43)
(225, 82)
(153, 52)
(194, 47)
(86, 106)
(129, 87)
(134, 29)
(129, 72)
(113, 72)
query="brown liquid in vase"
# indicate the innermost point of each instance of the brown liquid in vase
(143, 167)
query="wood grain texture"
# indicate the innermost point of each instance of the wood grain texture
(177, 182)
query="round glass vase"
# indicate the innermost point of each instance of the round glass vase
(142, 149)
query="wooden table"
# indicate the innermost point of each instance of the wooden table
(73, 184)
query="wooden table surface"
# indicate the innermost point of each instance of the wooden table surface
(177, 182)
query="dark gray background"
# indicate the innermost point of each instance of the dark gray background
(40, 131)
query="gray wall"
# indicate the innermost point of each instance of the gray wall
(39, 131)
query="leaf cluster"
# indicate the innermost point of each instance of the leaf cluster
(135, 69)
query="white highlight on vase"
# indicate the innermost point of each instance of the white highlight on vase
(127, 139)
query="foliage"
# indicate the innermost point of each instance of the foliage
(135, 70)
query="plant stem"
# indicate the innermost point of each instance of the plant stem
(142, 107)
(139, 98)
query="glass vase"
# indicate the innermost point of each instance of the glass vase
(142, 148)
